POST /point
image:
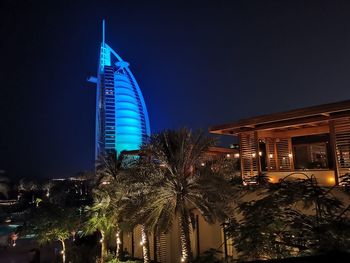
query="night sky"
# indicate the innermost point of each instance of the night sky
(198, 63)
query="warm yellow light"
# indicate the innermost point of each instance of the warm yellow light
(290, 155)
(331, 179)
(182, 260)
(271, 179)
(253, 154)
(260, 153)
(228, 155)
(202, 164)
(271, 155)
(101, 240)
(141, 243)
(236, 155)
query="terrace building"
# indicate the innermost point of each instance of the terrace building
(313, 141)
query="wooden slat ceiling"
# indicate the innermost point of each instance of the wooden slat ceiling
(295, 119)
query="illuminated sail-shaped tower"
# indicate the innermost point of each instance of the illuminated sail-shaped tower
(122, 121)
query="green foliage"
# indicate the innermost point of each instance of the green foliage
(294, 217)
(112, 258)
(83, 253)
(51, 223)
(99, 217)
(212, 255)
(115, 260)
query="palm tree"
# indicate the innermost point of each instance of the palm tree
(179, 184)
(133, 206)
(100, 218)
(105, 214)
(120, 178)
(109, 166)
(111, 174)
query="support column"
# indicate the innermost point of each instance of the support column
(334, 151)
(257, 156)
(241, 155)
(290, 149)
(275, 154)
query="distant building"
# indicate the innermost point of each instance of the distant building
(122, 121)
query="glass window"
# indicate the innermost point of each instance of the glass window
(312, 152)
(311, 156)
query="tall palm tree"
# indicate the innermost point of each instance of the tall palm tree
(100, 218)
(109, 165)
(110, 190)
(134, 204)
(180, 184)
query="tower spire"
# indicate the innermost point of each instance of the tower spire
(103, 32)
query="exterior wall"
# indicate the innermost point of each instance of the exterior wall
(324, 177)
(210, 236)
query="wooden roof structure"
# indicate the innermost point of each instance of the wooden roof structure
(212, 151)
(309, 118)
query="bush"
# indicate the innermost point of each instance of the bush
(209, 256)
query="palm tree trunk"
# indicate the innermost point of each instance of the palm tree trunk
(103, 246)
(63, 252)
(185, 239)
(119, 244)
(145, 245)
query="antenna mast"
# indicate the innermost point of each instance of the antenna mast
(103, 32)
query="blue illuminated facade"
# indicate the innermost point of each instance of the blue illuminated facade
(122, 121)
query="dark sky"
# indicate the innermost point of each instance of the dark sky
(198, 63)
